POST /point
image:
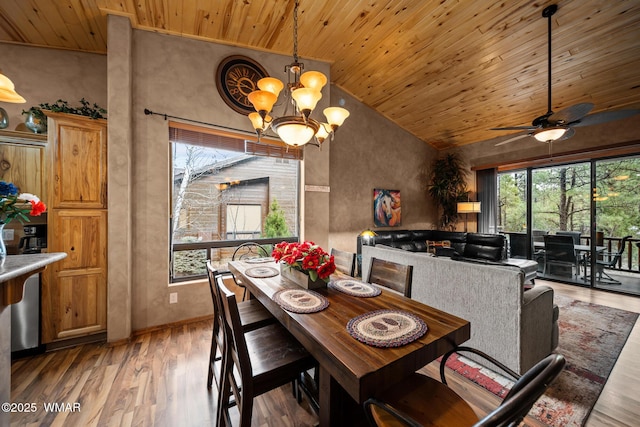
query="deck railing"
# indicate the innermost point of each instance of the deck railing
(219, 252)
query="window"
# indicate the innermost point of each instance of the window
(226, 191)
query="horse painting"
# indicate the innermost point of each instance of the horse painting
(386, 208)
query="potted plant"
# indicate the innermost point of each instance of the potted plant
(306, 263)
(447, 186)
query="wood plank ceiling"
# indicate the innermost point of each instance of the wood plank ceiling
(444, 70)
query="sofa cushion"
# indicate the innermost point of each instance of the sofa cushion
(485, 246)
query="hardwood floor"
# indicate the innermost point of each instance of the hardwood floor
(159, 379)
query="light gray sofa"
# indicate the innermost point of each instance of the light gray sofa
(516, 327)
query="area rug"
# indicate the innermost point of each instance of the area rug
(591, 338)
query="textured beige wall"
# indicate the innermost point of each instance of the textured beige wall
(176, 76)
(46, 75)
(371, 152)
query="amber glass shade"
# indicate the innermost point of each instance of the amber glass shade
(336, 116)
(262, 100)
(313, 80)
(306, 98)
(294, 130)
(322, 133)
(271, 84)
(7, 91)
(258, 122)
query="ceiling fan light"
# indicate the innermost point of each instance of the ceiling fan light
(549, 134)
(294, 130)
(313, 80)
(262, 100)
(271, 84)
(336, 116)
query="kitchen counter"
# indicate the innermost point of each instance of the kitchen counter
(17, 268)
(13, 274)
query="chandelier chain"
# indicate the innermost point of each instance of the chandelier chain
(295, 31)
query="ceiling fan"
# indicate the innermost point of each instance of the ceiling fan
(559, 126)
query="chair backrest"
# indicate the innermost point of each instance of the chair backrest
(237, 354)
(538, 235)
(250, 250)
(575, 235)
(391, 275)
(525, 392)
(345, 261)
(623, 244)
(517, 245)
(559, 248)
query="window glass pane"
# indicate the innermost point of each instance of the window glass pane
(512, 202)
(221, 195)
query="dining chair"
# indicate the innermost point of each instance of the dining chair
(247, 251)
(405, 404)
(608, 260)
(575, 235)
(391, 275)
(345, 261)
(254, 362)
(253, 315)
(560, 250)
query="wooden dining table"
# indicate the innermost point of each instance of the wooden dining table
(350, 370)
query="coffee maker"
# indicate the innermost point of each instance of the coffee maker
(34, 239)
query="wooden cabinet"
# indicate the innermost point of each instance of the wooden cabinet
(23, 162)
(79, 151)
(74, 291)
(77, 286)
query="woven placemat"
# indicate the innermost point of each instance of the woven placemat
(260, 260)
(355, 288)
(261, 272)
(300, 300)
(386, 328)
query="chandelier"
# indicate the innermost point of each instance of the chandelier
(303, 92)
(8, 92)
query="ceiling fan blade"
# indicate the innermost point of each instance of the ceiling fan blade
(515, 138)
(571, 114)
(516, 128)
(604, 117)
(568, 134)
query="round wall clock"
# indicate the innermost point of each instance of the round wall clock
(237, 76)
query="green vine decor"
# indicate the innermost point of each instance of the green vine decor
(60, 106)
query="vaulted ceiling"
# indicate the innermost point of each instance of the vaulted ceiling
(446, 71)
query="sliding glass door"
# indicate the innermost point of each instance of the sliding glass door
(560, 215)
(616, 199)
(560, 220)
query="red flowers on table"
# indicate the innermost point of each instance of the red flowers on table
(307, 257)
(14, 204)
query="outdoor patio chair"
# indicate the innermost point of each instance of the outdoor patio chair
(560, 251)
(608, 260)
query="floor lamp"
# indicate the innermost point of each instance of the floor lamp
(466, 208)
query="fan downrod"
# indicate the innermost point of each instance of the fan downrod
(550, 10)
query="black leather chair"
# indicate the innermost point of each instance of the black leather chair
(423, 401)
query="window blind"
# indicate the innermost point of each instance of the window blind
(224, 140)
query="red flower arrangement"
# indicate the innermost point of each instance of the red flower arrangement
(307, 257)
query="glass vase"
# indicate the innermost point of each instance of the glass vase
(3, 248)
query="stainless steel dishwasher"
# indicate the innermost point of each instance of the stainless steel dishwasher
(25, 320)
